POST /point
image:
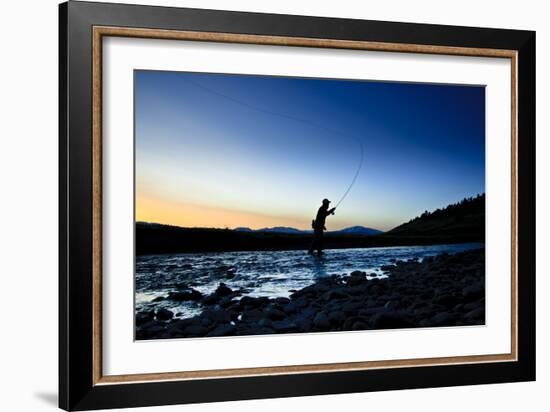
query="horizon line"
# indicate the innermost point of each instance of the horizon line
(255, 230)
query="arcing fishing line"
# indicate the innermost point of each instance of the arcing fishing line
(296, 119)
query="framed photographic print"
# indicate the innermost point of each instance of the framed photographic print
(257, 205)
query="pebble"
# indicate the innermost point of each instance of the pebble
(444, 290)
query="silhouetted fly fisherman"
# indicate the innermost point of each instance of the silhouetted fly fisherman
(318, 226)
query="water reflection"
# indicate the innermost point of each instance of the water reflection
(319, 266)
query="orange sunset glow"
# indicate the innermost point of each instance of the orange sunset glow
(149, 209)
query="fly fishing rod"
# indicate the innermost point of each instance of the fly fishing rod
(354, 176)
(296, 119)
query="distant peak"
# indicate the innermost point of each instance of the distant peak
(358, 230)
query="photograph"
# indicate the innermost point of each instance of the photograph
(272, 205)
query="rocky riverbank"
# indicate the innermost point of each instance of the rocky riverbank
(446, 290)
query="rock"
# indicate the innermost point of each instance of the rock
(356, 278)
(301, 302)
(164, 314)
(217, 315)
(334, 295)
(195, 330)
(442, 318)
(274, 314)
(144, 317)
(458, 307)
(150, 330)
(303, 324)
(319, 288)
(418, 304)
(252, 314)
(427, 295)
(359, 325)
(321, 321)
(371, 311)
(349, 322)
(282, 301)
(473, 292)
(391, 320)
(226, 302)
(336, 317)
(424, 323)
(185, 295)
(206, 322)
(446, 300)
(223, 290)
(158, 299)
(209, 300)
(442, 291)
(253, 302)
(223, 330)
(179, 325)
(265, 323)
(375, 288)
(355, 281)
(284, 326)
(473, 305)
(475, 315)
(255, 331)
(425, 311)
(352, 307)
(357, 290)
(290, 308)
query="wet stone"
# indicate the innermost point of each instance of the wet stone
(222, 330)
(164, 314)
(321, 321)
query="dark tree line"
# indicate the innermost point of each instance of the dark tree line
(466, 206)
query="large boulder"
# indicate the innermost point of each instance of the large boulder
(164, 314)
(223, 290)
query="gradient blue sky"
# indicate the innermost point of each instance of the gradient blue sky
(210, 153)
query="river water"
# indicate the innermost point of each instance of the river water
(269, 273)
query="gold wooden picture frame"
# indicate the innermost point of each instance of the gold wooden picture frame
(100, 32)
